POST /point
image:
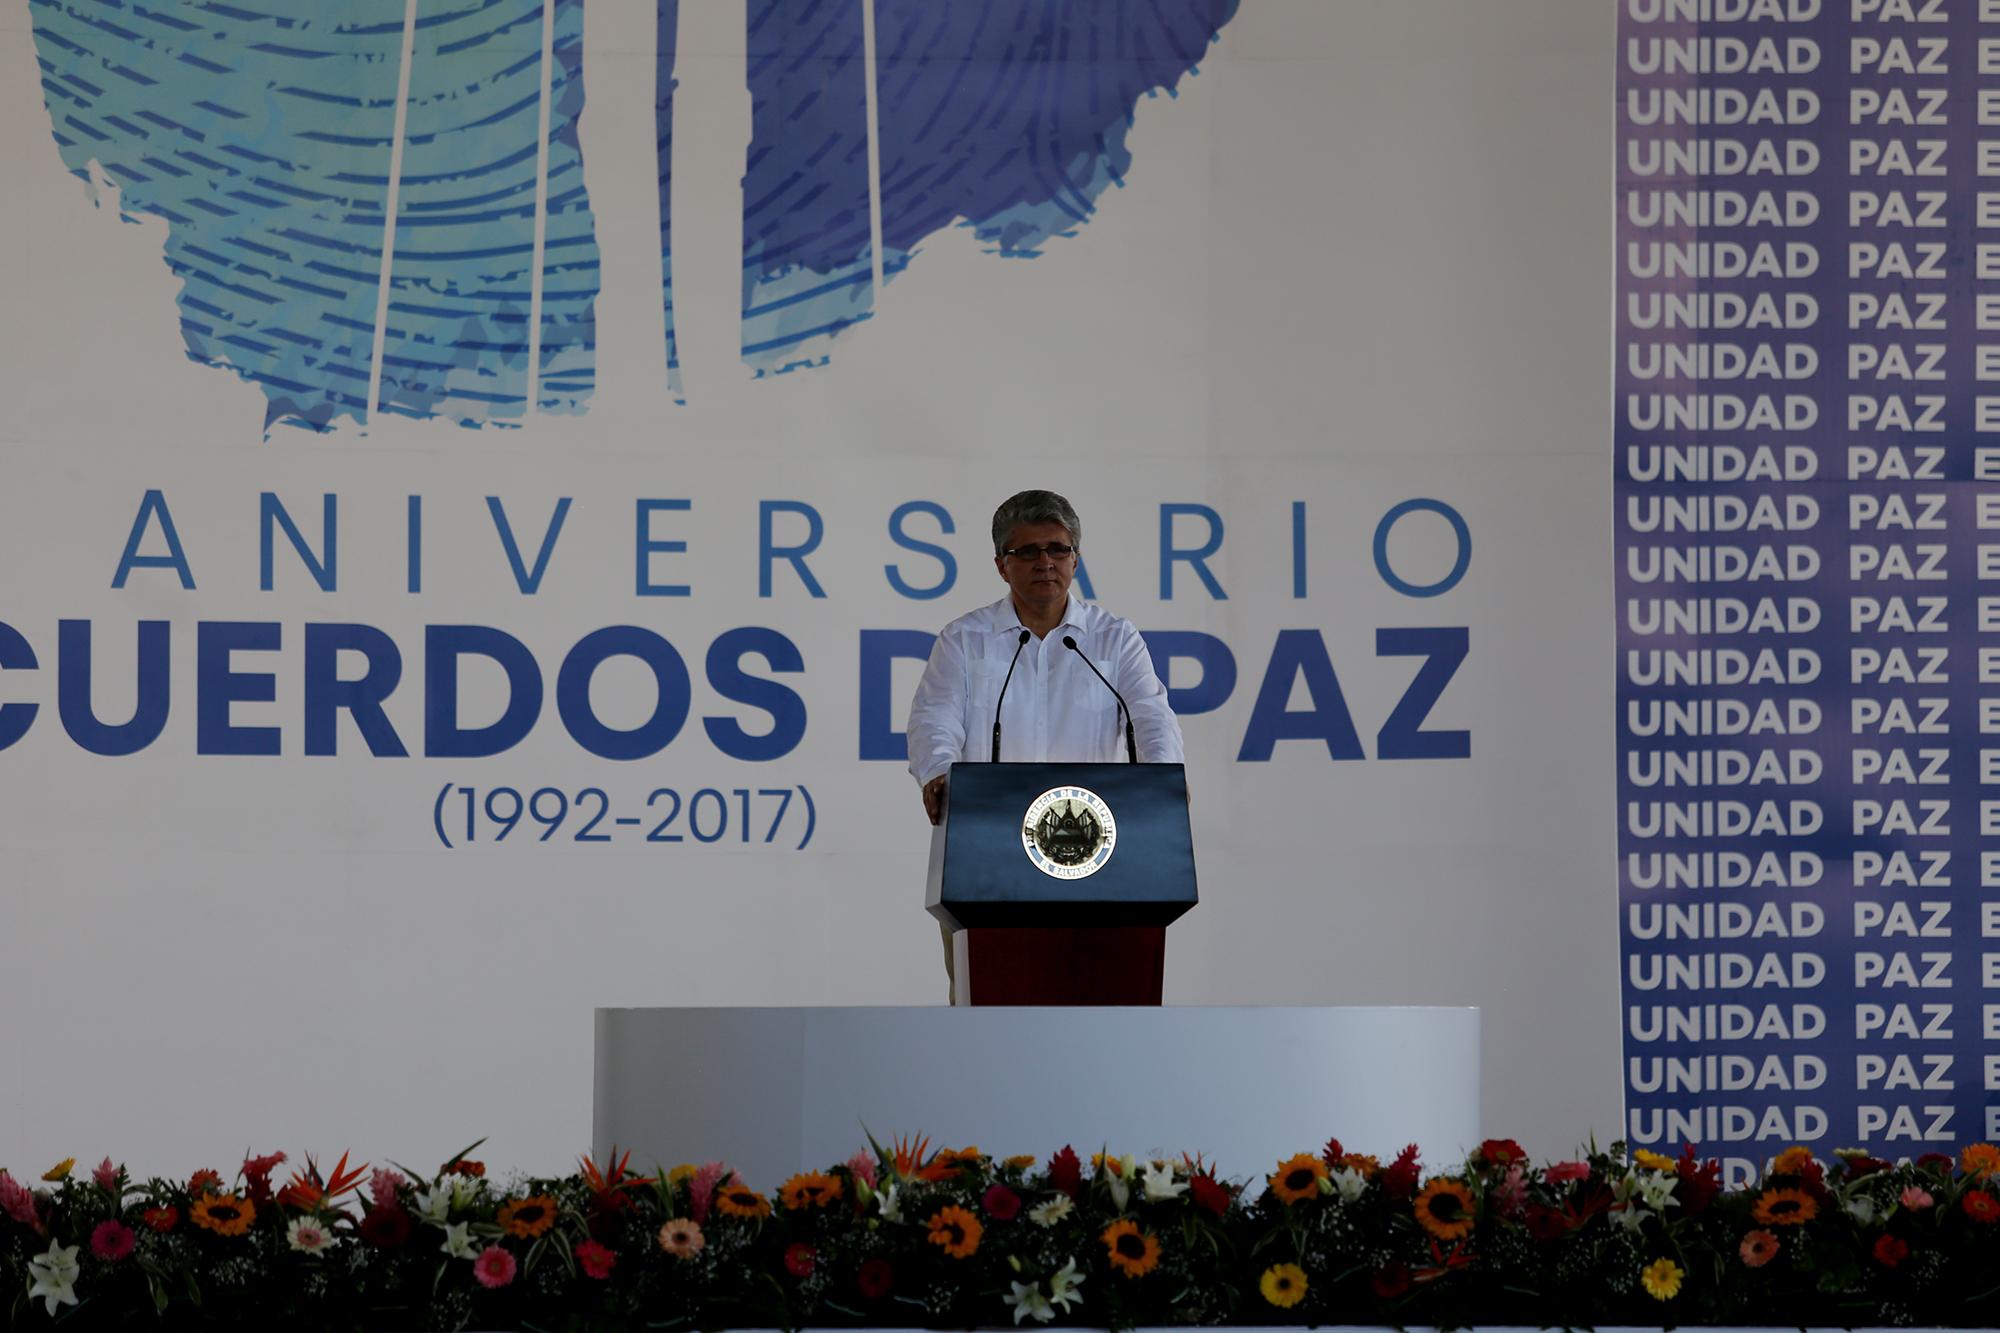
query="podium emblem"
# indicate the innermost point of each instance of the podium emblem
(1068, 832)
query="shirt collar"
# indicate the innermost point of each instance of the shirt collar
(1007, 620)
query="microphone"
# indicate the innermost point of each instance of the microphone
(1003, 694)
(1131, 744)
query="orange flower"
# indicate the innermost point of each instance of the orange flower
(529, 1217)
(1134, 1253)
(1445, 1209)
(1021, 1161)
(1791, 1161)
(734, 1200)
(224, 1214)
(1363, 1162)
(955, 1231)
(810, 1190)
(1785, 1208)
(911, 1154)
(1758, 1248)
(1298, 1178)
(1980, 1159)
(947, 1163)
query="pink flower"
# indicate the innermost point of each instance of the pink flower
(596, 1260)
(1562, 1172)
(106, 1176)
(862, 1164)
(1916, 1198)
(494, 1267)
(111, 1241)
(1510, 1196)
(382, 1186)
(18, 1203)
(702, 1188)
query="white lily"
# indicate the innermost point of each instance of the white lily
(1027, 1301)
(1862, 1209)
(1159, 1183)
(1120, 1170)
(892, 1211)
(458, 1241)
(1349, 1184)
(464, 1191)
(54, 1276)
(1052, 1212)
(1656, 1190)
(1063, 1284)
(434, 1204)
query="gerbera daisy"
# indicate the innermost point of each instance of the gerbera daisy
(224, 1214)
(1759, 1247)
(161, 1219)
(494, 1267)
(955, 1231)
(1980, 1159)
(1298, 1177)
(800, 1259)
(1889, 1251)
(875, 1279)
(111, 1241)
(1134, 1253)
(1445, 1209)
(1662, 1279)
(308, 1235)
(681, 1237)
(596, 1259)
(1981, 1206)
(529, 1217)
(809, 1190)
(734, 1200)
(1785, 1208)
(1283, 1285)
(1653, 1161)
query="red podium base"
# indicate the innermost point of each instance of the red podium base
(1104, 965)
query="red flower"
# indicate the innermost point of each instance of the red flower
(385, 1226)
(111, 1241)
(1332, 1153)
(596, 1259)
(203, 1182)
(465, 1166)
(1936, 1161)
(1400, 1180)
(257, 1176)
(1889, 1251)
(876, 1279)
(800, 1258)
(1066, 1172)
(1981, 1207)
(1209, 1194)
(1700, 1182)
(161, 1219)
(1858, 1167)
(1501, 1153)
(301, 1194)
(1545, 1223)
(1001, 1204)
(1390, 1282)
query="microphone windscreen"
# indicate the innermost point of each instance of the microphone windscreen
(1069, 642)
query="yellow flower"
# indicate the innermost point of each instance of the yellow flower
(1283, 1285)
(1134, 1253)
(735, 1200)
(224, 1214)
(1785, 1208)
(1023, 1161)
(1445, 1209)
(681, 1174)
(810, 1190)
(1298, 1177)
(1654, 1161)
(60, 1171)
(1979, 1159)
(1662, 1279)
(955, 1231)
(1791, 1161)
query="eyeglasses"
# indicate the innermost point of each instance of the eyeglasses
(1054, 550)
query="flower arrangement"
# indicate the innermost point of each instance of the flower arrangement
(905, 1236)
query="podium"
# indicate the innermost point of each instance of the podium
(1061, 880)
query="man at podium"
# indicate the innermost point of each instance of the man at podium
(1036, 676)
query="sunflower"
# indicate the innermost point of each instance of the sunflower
(1654, 1161)
(1785, 1208)
(734, 1200)
(224, 1214)
(1134, 1253)
(1283, 1285)
(1662, 1279)
(955, 1231)
(1791, 1161)
(1980, 1159)
(1445, 1209)
(1298, 1177)
(809, 1190)
(529, 1217)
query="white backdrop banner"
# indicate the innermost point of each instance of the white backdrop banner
(483, 478)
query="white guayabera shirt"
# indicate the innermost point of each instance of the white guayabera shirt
(1055, 710)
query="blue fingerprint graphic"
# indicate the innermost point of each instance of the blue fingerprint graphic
(1009, 116)
(667, 17)
(262, 135)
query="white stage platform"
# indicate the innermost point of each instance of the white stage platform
(776, 1091)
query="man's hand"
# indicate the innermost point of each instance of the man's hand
(934, 798)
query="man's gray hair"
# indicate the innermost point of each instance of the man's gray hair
(1034, 507)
